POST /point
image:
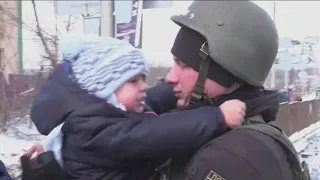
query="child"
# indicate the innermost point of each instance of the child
(98, 95)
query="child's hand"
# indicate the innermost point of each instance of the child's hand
(233, 112)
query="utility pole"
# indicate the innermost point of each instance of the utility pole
(107, 18)
(273, 70)
(274, 11)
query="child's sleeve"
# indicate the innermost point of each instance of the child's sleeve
(161, 136)
(161, 99)
(4, 175)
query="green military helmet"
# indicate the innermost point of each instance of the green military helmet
(241, 37)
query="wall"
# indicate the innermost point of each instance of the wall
(293, 117)
(8, 38)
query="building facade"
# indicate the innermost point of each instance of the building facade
(10, 37)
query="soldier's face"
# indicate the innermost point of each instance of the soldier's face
(184, 78)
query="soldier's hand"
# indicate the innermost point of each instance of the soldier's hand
(35, 150)
(234, 112)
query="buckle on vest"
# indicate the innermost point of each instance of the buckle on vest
(195, 97)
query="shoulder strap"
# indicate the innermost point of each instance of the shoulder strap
(272, 130)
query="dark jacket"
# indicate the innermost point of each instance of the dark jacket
(4, 175)
(103, 142)
(242, 154)
(283, 97)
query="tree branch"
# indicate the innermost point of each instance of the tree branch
(69, 24)
(40, 34)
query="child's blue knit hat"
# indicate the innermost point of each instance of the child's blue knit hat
(101, 64)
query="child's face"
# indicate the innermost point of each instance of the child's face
(132, 94)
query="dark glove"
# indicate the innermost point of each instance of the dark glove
(44, 166)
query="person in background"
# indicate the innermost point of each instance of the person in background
(283, 96)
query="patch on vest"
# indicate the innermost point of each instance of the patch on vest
(214, 176)
(163, 176)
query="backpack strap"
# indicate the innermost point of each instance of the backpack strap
(272, 130)
(257, 119)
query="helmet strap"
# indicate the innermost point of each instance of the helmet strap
(198, 96)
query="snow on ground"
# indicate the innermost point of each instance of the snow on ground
(19, 137)
(307, 143)
(22, 135)
(309, 97)
(311, 155)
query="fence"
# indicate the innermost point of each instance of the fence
(293, 117)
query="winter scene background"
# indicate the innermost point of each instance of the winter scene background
(29, 34)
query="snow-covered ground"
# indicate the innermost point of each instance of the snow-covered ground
(21, 136)
(307, 143)
(309, 97)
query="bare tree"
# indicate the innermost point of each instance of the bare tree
(45, 40)
(14, 102)
(49, 58)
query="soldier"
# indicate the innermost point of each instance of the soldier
(225, 50)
